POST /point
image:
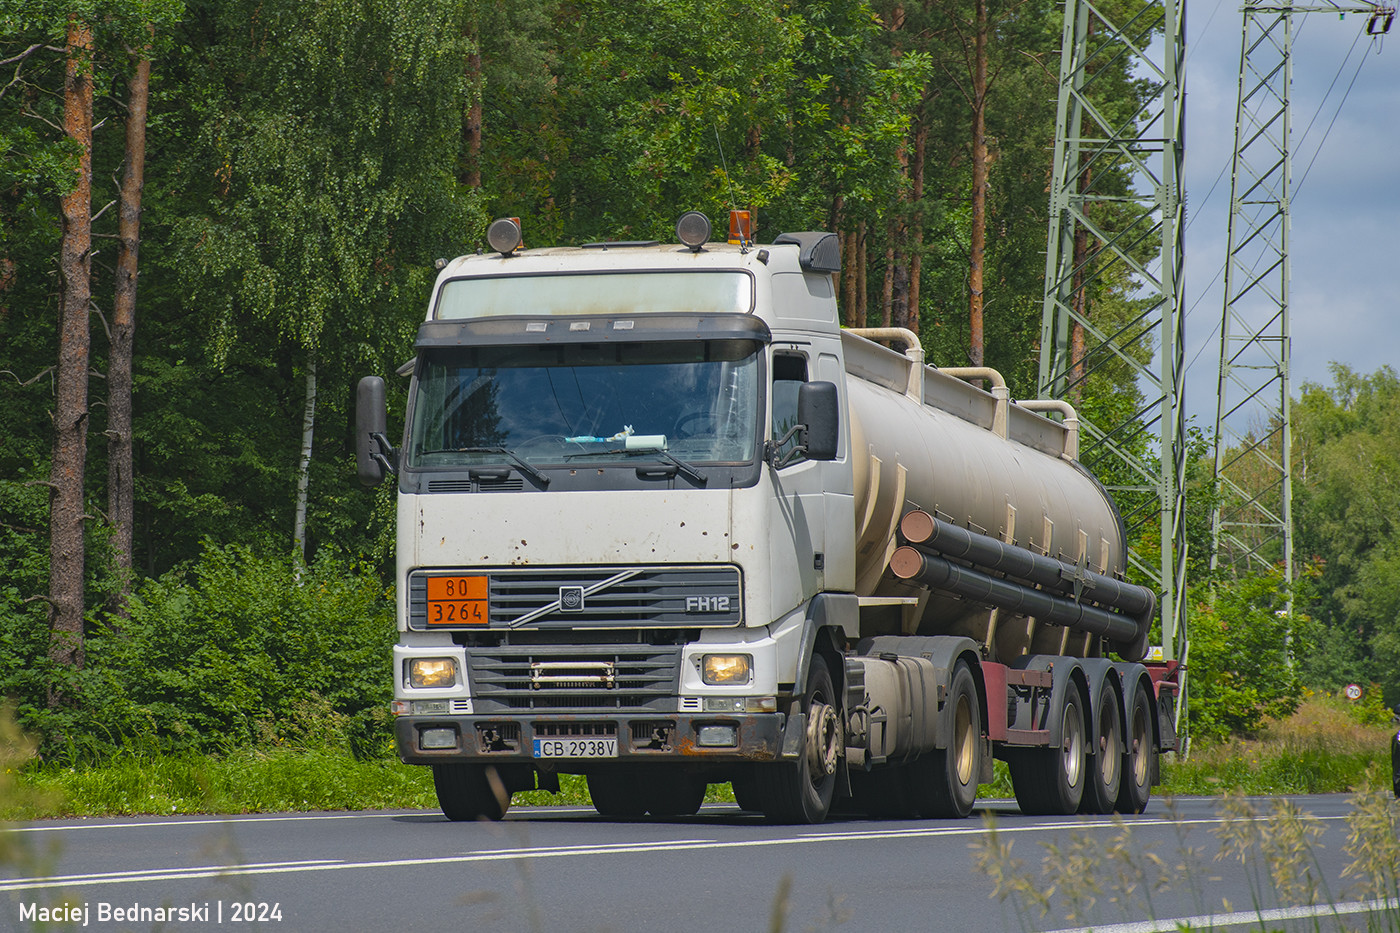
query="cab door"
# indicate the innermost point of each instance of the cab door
(797, 517)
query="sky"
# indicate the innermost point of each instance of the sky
(1345, 243)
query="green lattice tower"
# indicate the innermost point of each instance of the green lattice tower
(1252, 520)
(1116, 226)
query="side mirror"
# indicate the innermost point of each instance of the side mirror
(374, 455)
(819, 408)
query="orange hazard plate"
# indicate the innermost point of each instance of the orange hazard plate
(457, 601)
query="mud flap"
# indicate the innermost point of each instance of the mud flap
(793, 736)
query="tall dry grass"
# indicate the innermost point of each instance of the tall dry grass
(1326, 746)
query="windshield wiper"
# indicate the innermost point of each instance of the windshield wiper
(520, 462)
(685, 469)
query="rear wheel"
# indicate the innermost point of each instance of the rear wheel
(801, 791)
(1051, 780)
(1105, 772)
(470, 792)
(1139, 756)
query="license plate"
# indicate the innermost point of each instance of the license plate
(576, 747)
(457, 600)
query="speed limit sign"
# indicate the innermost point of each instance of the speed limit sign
(1353, 692)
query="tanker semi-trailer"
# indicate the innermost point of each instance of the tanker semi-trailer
(663, 522)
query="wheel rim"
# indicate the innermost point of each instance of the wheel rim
(822, 743)
(965, 741)
(1073, 747)
(1110, 748)
(1141, 741)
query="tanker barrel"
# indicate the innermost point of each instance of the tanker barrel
(937, 572)
(988, 553)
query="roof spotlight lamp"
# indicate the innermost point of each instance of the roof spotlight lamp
(693, 230)
(504, 235)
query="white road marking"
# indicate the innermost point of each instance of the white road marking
(1242, 918)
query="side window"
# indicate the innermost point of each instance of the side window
(789, 372)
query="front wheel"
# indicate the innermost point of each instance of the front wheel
(616, 794)
(470, 792)
(802, 791)
(676, 795)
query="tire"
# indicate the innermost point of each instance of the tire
(470, 792)
(1051, 780)
(675, 795)
(1139, 756)
(746, 792)
(616, 794)
(1105, 773)
(944, 782)
(801, 791)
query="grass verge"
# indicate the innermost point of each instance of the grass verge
(246, 782)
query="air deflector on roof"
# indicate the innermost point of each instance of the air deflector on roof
(816, 251)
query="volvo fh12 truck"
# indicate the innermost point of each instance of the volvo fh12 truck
(663, 522)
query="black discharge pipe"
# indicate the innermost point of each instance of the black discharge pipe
(988, 553)
(1128, 636)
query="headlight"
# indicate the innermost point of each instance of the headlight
(432, 672)
(716, 669)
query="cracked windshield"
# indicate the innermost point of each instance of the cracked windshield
(695, 399)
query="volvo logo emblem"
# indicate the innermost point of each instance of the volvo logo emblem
(571, 598)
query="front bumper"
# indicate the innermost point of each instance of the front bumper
(640, 735)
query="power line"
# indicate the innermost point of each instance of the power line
(1316, 152)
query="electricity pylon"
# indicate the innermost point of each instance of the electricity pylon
(1116, 225)
(1252, 520)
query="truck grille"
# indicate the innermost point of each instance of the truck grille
(583, 597)
(537, 677)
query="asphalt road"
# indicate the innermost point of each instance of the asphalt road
(565, 870)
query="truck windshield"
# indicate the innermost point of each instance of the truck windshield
(554, 403)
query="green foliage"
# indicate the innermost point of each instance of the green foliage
(1371, 710)
(327, 137)
(1347, 508)
(1241, 667)
(235, 651)
(243, 649)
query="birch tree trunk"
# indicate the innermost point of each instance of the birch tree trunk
(66, 513)
(308, 428)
